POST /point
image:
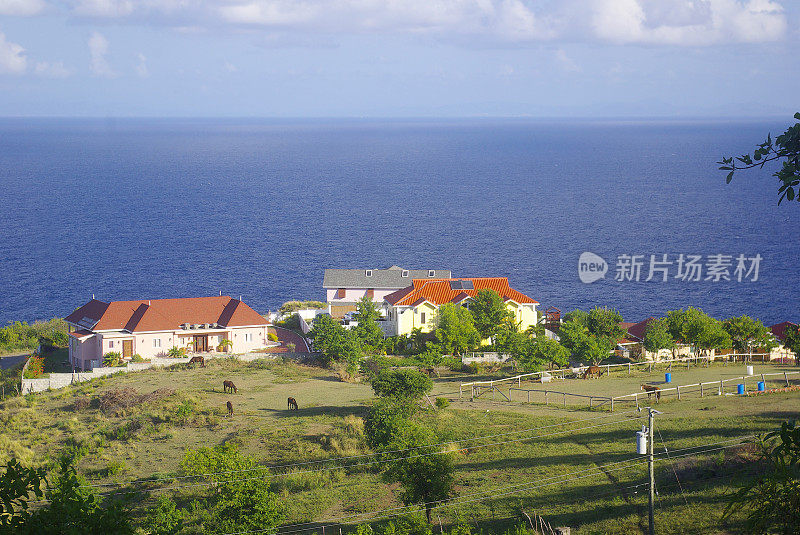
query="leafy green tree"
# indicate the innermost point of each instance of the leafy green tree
(574, 334)
(425, 476)
(786, 147)
(387, 419)
(537, 353)
(772, 500)
(368, 331)
(236, 504)
(455, 330)
(334, 342)
(489, 313)
(410, 384)
(164, 518)
(604, 323)
(657, 336)
(747, 333)
(17, 484)
(74, 509)
(792, 341)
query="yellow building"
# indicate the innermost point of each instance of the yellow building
(417, 305)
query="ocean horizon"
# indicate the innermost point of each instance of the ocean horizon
(258, 208)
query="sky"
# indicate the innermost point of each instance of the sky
(400, 58)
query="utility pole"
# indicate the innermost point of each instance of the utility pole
(650, 517)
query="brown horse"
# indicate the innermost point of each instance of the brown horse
(228, 386)
(230, 409)
(198, 360)
(292, 403)
(650, 389)
(593, 371)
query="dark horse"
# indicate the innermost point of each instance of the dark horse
(198, 360)
(292, 403)
(228, 386)
(650, 389)
(591, 371)
(230, 409)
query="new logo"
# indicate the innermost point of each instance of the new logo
(591, 267)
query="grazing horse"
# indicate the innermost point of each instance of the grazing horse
(228, 386)
(230, 409)
(292, 403)
(592, 371)
(650, 389)
(430, 372)
(198, 360)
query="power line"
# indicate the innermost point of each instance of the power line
(381, 453)
(635, 461)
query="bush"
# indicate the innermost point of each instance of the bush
(112, 358)
(35, 367)
(164, 518)
(410, 384)
(442, 403)
(137, 358)
(272, 337)
(387, 420)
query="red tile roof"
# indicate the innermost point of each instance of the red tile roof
(82, 333)
(779, 329)
(165, 314)
(439, 292)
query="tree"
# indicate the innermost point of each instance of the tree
(785, 147)
(74, 509)
(236, 504)
(536, 353)
(747, 333)
(585, 345)
(792, 341)
(489, 313)
(368, 331)
(387, 420)
(695, 327)
(17, 484)
(164, 518)
(426, 477)
(772, 500)
(410, 384)
(334, 342)
(657, 336)
(455, 330)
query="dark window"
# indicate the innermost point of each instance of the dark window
(422, 318)
(340, 293)
(371, 293)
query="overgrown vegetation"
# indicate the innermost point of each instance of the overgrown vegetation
(22, 336)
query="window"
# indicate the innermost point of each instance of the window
(422, 317)
(248, 337)
(156, 342)
(340, 293)
(371, 293)
(111, 343)
(404, 273)
(431, 273)
(369, 273)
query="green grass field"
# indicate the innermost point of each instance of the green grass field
(563, 471)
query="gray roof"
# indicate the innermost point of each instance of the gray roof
(380, 279)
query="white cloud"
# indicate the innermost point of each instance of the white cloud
(98, 49)
(12, 57)
(52, 70)
(103, 8)
(141, 67)
(688, 23)
(21, 8)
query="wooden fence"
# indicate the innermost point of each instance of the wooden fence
(607, 368)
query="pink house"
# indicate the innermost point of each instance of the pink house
(151, 328)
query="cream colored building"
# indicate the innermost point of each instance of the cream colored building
(417, 305)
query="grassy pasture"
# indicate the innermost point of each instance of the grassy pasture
(566, 476)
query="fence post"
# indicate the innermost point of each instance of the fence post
(545, 397)
(651, 367)
(701, 389)
(629, 368)
(519, 381)
(721, 387)
(612, 404)
(565, 400)
(786, 378)
(678, 388)
(460, 388)
(529, 396)
(764, 381)
(590, 401)
(608, 369)
(636, 398)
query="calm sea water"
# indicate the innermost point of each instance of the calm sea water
(132, 209)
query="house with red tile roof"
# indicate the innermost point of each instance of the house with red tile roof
(415, 306)
(150, 328)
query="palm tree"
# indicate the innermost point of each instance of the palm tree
(224, 344)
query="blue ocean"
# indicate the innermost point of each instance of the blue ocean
(141, 209)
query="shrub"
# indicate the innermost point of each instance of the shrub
(112, 358)
(409, 384)
(164, 518)
(291, 347)
(176, 352)
(272, 337)
(442, 403)
(387, 420)
(35, 367)
(137, 358)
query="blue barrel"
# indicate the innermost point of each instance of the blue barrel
(761, 386)
(667, 377)
(740, 389)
